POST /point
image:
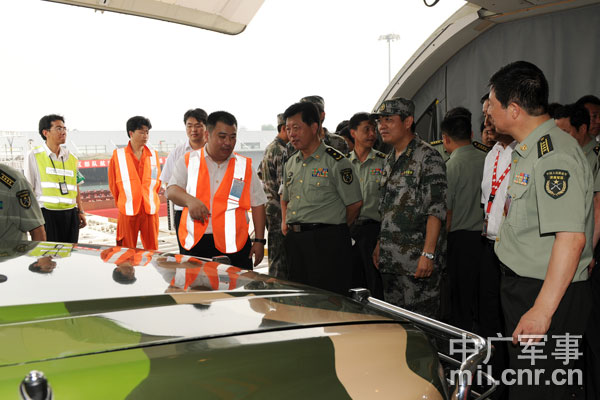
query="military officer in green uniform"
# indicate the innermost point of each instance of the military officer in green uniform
(464, 171)
(330, 139)
(271, 174)
(545, 241)
(321, 197)
(19, 209)
(368, 166)
(411, 250)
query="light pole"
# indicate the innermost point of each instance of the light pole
(389, 38)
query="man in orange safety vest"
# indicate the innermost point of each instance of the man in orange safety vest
(134, 181)
(217, 188)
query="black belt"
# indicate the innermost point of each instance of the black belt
(308, 227)
(504, 270)
(361, 222)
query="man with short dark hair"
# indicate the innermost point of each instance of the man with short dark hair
(320, 199)
(368, 164)
(411, 250)
(195, 128)
(545, 241)
(330, 139)
(217, 188)
(134, 181)
(51, 169)
(592, 104)
(272, 176)
(464, 217)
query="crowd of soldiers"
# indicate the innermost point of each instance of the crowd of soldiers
(495, 238)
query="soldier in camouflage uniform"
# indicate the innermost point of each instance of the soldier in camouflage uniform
(412, 244)
(271, 175)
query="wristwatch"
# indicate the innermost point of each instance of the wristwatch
(263, 241)
(428, 255)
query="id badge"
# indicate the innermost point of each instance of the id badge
(63, 188)
(485, 227)
(236, 188)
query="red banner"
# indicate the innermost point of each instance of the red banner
(104, 163)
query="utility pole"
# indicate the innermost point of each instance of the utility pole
(389, 38)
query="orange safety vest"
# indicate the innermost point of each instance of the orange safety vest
(185, 277)
(132, 190)
(230, 203)
(118, 255)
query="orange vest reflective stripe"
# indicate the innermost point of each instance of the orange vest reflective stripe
(118, 255)
(134, 191)
(229, 206)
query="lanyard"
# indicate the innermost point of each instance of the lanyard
(63, 162)
(496, 183)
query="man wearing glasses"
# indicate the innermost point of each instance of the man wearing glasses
(52, 171)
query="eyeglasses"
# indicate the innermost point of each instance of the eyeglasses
(59, 128)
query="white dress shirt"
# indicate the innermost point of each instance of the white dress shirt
(495, 215)
(216, 173)
(31, 172)
(167, 171)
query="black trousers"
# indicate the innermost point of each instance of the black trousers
(321, 258)
(364, 273)
(592, 340)
(491, 319)
(62, 225)
(177, 218)
(518, 295)
(206, 248)
(464, 255)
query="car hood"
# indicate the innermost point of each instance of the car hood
(64, 300)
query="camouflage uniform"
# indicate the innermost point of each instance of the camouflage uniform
(271, 174)
(414, 187)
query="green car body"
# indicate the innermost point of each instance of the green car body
(197, 329)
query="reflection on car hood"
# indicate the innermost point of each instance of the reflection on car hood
(62, 300)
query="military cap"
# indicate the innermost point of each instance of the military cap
(316, 100)
(396, 106)
(280, 119)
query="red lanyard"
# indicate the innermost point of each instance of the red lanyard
(496, 183)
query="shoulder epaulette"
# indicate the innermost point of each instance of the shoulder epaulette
(6, 179)
(436, 142)
(544, 145)
(381, 155)
(337, 156)
(597, 149)
(481, 146)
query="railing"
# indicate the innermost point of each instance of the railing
(468, 367)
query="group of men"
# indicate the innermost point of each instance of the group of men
(495, 240)
(503, 235)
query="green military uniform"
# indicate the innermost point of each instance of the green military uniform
(591, 150)
(550, 190)
(19, 209)
(365, 229)
(319, 188)
(318, 243)
(439, 146)
(414, 187)
(369, 175)
(271, 174)
(464, 170)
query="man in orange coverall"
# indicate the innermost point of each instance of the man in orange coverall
(134, 180)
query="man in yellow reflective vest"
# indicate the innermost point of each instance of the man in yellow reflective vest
(134, 181)
(217, 188)
(52, 171)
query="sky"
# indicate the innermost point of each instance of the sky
(99, 69)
